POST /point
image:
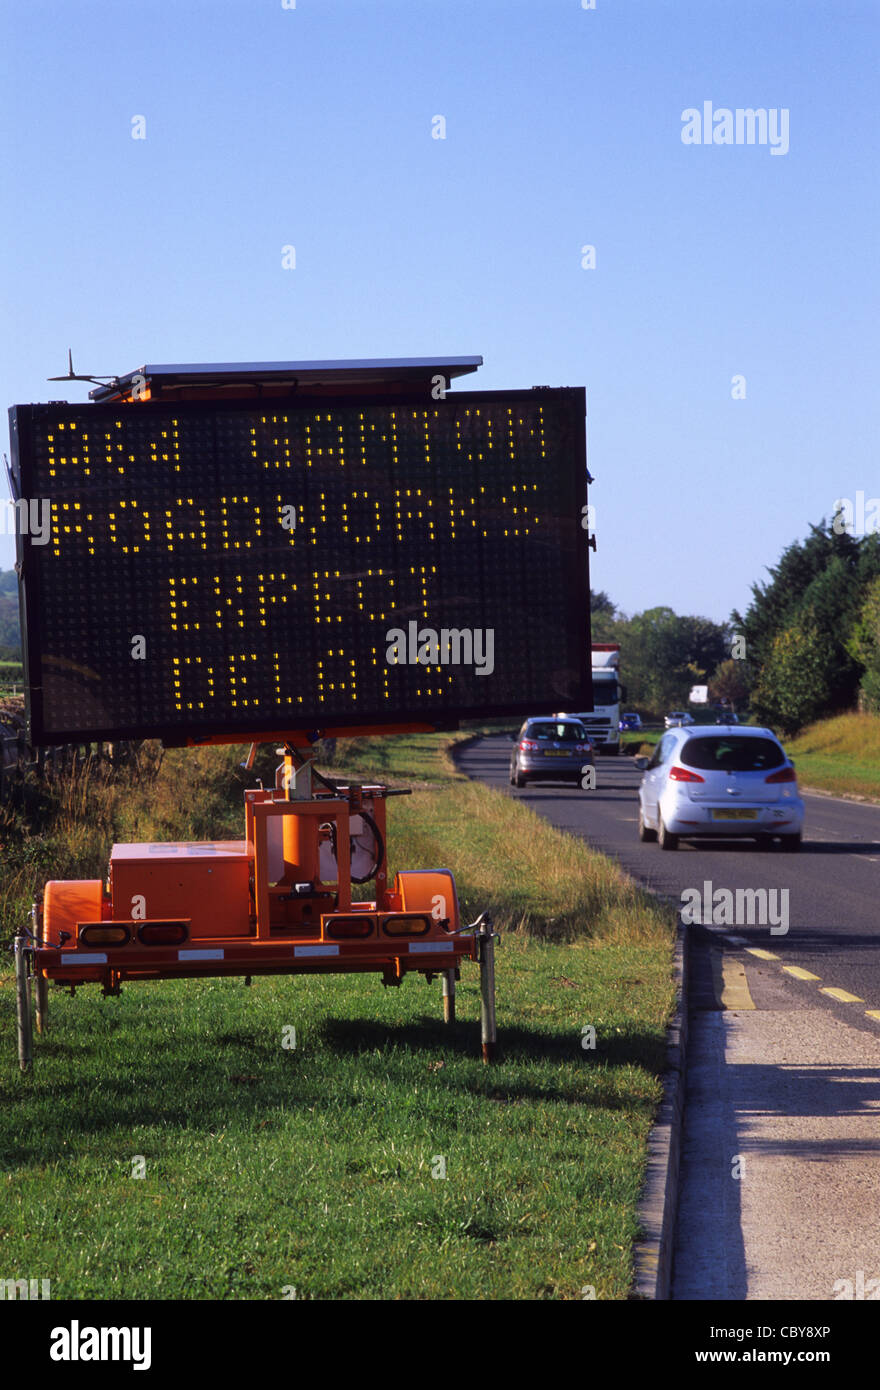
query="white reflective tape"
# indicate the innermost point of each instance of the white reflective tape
(201, 955)
(83, 958)
(316, 950)
(431, 946)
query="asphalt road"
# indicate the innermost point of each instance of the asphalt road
(780, 1159)
(833, 884)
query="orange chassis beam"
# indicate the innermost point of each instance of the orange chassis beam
(227, 957)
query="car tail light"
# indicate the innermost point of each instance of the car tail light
(163, 933)
(103, 936)
(528, 745)
(406, 926)
(583, 748)
(785, 774)
(348, 928)
(683, 774)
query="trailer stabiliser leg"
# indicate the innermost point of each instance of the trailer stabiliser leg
(486, 937)
(41, 984)
(41, 1002)
(447, 984)
(23, 1002)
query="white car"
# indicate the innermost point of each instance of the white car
(720, 781)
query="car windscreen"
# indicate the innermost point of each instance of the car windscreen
(732, 754)
(558, 733)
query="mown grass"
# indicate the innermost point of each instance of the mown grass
(840, 755)
(317, 1167)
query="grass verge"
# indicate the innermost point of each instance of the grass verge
(840, 755)
(319, 1167)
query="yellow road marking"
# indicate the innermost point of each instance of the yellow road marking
(730, 983)
(800, 974)
(842, 996)
(873, 1013)
(762, 955)
(736, 994)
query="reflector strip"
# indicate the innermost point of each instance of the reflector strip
(200, 955)
(83, 958)
(316, 950)
(431, 946)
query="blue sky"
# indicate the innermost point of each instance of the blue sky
(311, 127)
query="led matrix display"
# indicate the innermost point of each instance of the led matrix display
(214, 568)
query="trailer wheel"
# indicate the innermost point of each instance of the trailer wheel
(24, 1016)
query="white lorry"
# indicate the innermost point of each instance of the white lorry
(603, 724)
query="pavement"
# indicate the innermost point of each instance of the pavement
(779, 1190)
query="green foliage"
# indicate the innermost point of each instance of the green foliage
(864, 636)
(863, 645)
(775, 605)
(10, 633)
(793, 687)
(603, 617)
(663, 655)
(730, 682)
(870, 686)
(823, 599)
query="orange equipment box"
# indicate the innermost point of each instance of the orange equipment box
(208, 883)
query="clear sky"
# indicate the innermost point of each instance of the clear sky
(312, 126)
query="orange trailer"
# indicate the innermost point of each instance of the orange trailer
(278, 902)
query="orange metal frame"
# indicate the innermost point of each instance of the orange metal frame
(225, 908)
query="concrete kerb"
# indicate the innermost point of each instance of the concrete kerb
(658, 1204)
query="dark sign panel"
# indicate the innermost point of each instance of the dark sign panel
(216, 568)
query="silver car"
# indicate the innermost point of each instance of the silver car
(714, 780)
(675, 718)
(550, 748)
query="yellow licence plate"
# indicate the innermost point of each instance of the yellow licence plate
(555, 753)
(729, 813)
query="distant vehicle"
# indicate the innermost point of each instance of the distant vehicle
(629, 721)
(603, 721)
(725, 716)
(550, 748)
(702, 782)
(678, 717)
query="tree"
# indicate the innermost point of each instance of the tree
(775, 606)
(730, 683)
(863, 645)
(603, 617)
(666, 654)
(793, 688)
